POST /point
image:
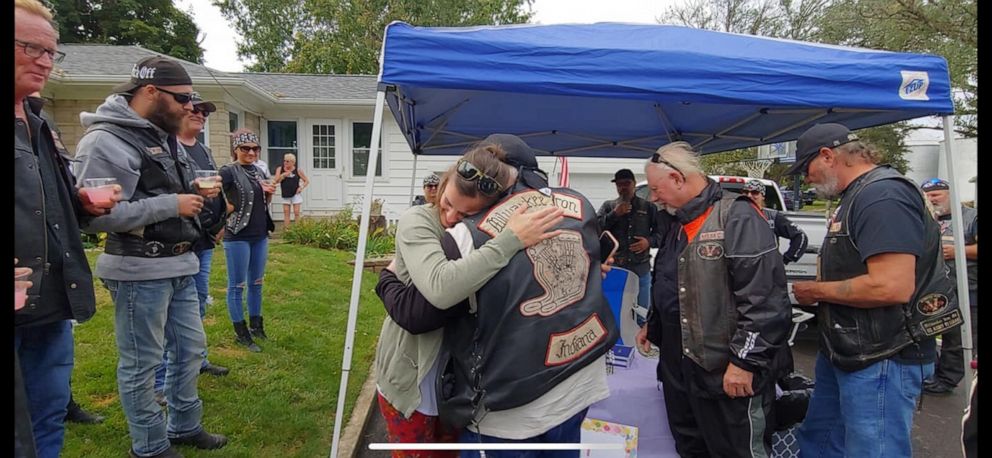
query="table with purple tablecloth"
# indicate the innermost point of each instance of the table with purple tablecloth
(636, 399)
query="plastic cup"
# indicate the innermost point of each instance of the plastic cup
(21, 287)
(100, 190)
(207, 179)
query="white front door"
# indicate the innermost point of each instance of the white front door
(325, 147)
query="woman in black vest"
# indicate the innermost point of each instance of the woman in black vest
(246, 236)
(288, 177)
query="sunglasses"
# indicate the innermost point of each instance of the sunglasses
(203, 111)
(657, 159)
(487, 184)
(751, 192)
(181, 98)
(250, 149)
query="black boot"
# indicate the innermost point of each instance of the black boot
(244, 337)
(76, 414)
(257, 331)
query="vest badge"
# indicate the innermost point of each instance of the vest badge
(931, 303)
(495, 220)
(709, 251)
(568, 346)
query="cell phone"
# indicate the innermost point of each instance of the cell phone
(607, 246)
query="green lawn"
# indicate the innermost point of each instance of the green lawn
(278, 403)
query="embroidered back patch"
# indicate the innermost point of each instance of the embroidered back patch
(495, 221)
(567, 346)
(561, 267)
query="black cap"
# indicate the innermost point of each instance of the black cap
(520, 155)
(826, 135)
(935, 184)
(156, 70)
(198, 102)
(623, 174)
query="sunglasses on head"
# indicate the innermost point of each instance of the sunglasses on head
(181, 98)
(657, 159)
(249, 149)
(487, 184)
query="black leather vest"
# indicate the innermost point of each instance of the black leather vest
(160, 174)
(538, 321)
(855, 338)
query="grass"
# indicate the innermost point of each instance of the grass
(278, 403)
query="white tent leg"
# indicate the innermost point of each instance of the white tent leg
(356, 280)
(960, 267)
(413, 178)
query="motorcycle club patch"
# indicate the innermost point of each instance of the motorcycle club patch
(154, 150)
(567, 346)
(495, 221)
(715, 235)
(931, 303)
(561, 267)
(709, 251)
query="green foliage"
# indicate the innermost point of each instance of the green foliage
(339, 232)
(345, 36)
(278, 403)
(947, 28)
(91, 241)
(153, 24)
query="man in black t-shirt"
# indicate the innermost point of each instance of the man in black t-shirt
(869, 370)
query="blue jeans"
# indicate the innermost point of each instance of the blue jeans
(150, 317)
(202, 279)
(866, 413)
(245, 266)
(46, 355)
(644, 290)
(569, 432)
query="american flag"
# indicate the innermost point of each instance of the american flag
(563, 174)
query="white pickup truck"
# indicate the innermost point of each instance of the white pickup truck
(813, 223)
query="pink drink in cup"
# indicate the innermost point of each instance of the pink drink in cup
(100, 190)
(21, 284)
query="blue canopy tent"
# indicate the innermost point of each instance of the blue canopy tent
(623, 90)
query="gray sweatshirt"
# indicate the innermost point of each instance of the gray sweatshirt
(103, 155)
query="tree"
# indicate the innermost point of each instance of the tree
(947, 28)
(345, 36)
(156, 25)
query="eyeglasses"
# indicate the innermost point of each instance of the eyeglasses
(181, 98)
(487, 184)
(250, 149)
(430, 186)
(657, 159)
(751, 192)
(203, 111)
(35, 51)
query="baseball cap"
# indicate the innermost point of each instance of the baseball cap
(935, 184)
(623, 174)
(198, 102)
(155, 70)
(519, 154)
(829, 135)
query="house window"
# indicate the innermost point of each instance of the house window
(361, 139)
(235, 121)
(324, 142)
(282, 140)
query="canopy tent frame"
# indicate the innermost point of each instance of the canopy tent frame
(403, 105)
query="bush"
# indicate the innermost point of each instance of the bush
(339, 232)
(91, 241)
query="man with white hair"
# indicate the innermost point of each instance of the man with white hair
(882, 292)
(720, 311)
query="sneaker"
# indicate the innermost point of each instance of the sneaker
(214, 370)
(938, 388)
(201, 440)
(160, 398)
(170, 452)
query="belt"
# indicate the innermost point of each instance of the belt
(131, 245)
